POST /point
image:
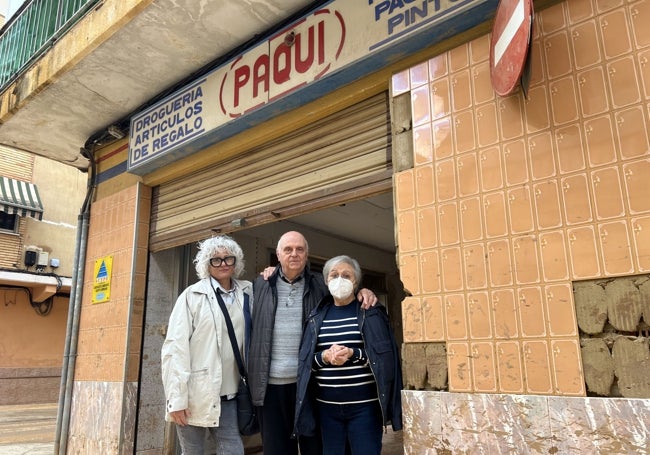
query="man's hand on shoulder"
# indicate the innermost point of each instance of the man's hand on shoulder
(267, 272)
(367, 298)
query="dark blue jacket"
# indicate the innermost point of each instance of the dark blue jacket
(383, 356)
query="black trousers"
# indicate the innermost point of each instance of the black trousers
(276, 420)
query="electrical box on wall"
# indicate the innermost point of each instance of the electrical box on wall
(43, 259)
(32, 254)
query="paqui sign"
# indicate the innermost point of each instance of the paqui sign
(329, 41)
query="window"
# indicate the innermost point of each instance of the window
(8, 221)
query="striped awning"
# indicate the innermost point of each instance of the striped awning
(20, 198)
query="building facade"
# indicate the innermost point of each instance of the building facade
(37, 242)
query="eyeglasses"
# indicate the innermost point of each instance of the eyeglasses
(228, 260)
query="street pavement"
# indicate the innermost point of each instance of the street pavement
(29, 430)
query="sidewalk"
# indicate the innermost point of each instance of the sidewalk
(29, 430)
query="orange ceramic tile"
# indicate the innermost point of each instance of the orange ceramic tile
(409, 272)
(499, 263)
(615, 243)
(537, 62)
(474, 262)
(427, 227)
(555, 265)
(586, 44)
(564, 105)
(636, 184)
(480, 316)
(455, 317)
(458, 362)
(583, 253)
(532, 317)
(487, 128)
(433, 318)
(641, 228)
(579, 10)
(470, 219)
(479, 49)
(623, 84)
(467, 170)
(400, 83)
(509, 367)
(438, 66)
(424, 184)
(490, 166)
(407, 234)
(542, 157)
(464, 135)
(420, 105)
(445, 180)
(640, 18)
(599, 141)
(419, 74)
(504, 312)
(608, 195)
(616, 40)
(632, 133)
(536, 109)
(422, 145)
(577, 203)
(484, 367)
(520, 207)
(644, 72)
(561, 310)
(412, 320)
(525, 259)
(404, 190)
(552, 19)
(569, 149)
(440, 98)
(482, 83)
(511, 117)
(448, 223)
(442, 138)
(461, 92)
(537, 367)
(593, 92)
(452, 269)
(458, 58)
(557, 54)
(430, 271)
(494, 214)
(567, 368)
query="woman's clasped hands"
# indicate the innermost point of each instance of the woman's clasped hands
(337, 354)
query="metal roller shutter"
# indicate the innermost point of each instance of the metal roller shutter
(340, 158)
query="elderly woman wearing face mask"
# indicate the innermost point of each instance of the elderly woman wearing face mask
(349, 376)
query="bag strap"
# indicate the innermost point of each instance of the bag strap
(231, 331)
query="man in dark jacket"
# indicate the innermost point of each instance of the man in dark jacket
(282, 304)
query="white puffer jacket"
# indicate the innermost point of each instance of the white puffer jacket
(191, 353)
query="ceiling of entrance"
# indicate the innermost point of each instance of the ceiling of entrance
(165, 43)
(366, 222)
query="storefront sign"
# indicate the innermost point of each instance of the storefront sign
(338, 43)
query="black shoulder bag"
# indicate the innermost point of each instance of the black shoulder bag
(246, 413)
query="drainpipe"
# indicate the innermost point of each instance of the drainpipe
(74, 312)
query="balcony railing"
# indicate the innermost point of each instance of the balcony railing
(35, 27)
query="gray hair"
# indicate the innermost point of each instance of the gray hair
(210, 247)
(343, 259)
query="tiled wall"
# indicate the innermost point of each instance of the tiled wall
(110, 333)
(510, 200)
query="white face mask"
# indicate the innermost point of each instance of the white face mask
(340, 288)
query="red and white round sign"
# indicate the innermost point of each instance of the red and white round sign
(511, 34)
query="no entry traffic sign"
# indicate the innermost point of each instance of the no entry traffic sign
(510, 42)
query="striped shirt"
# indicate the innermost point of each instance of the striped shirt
(353, 381)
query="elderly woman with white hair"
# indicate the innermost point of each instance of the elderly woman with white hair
(199, 370)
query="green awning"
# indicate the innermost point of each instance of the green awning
(20, 198)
